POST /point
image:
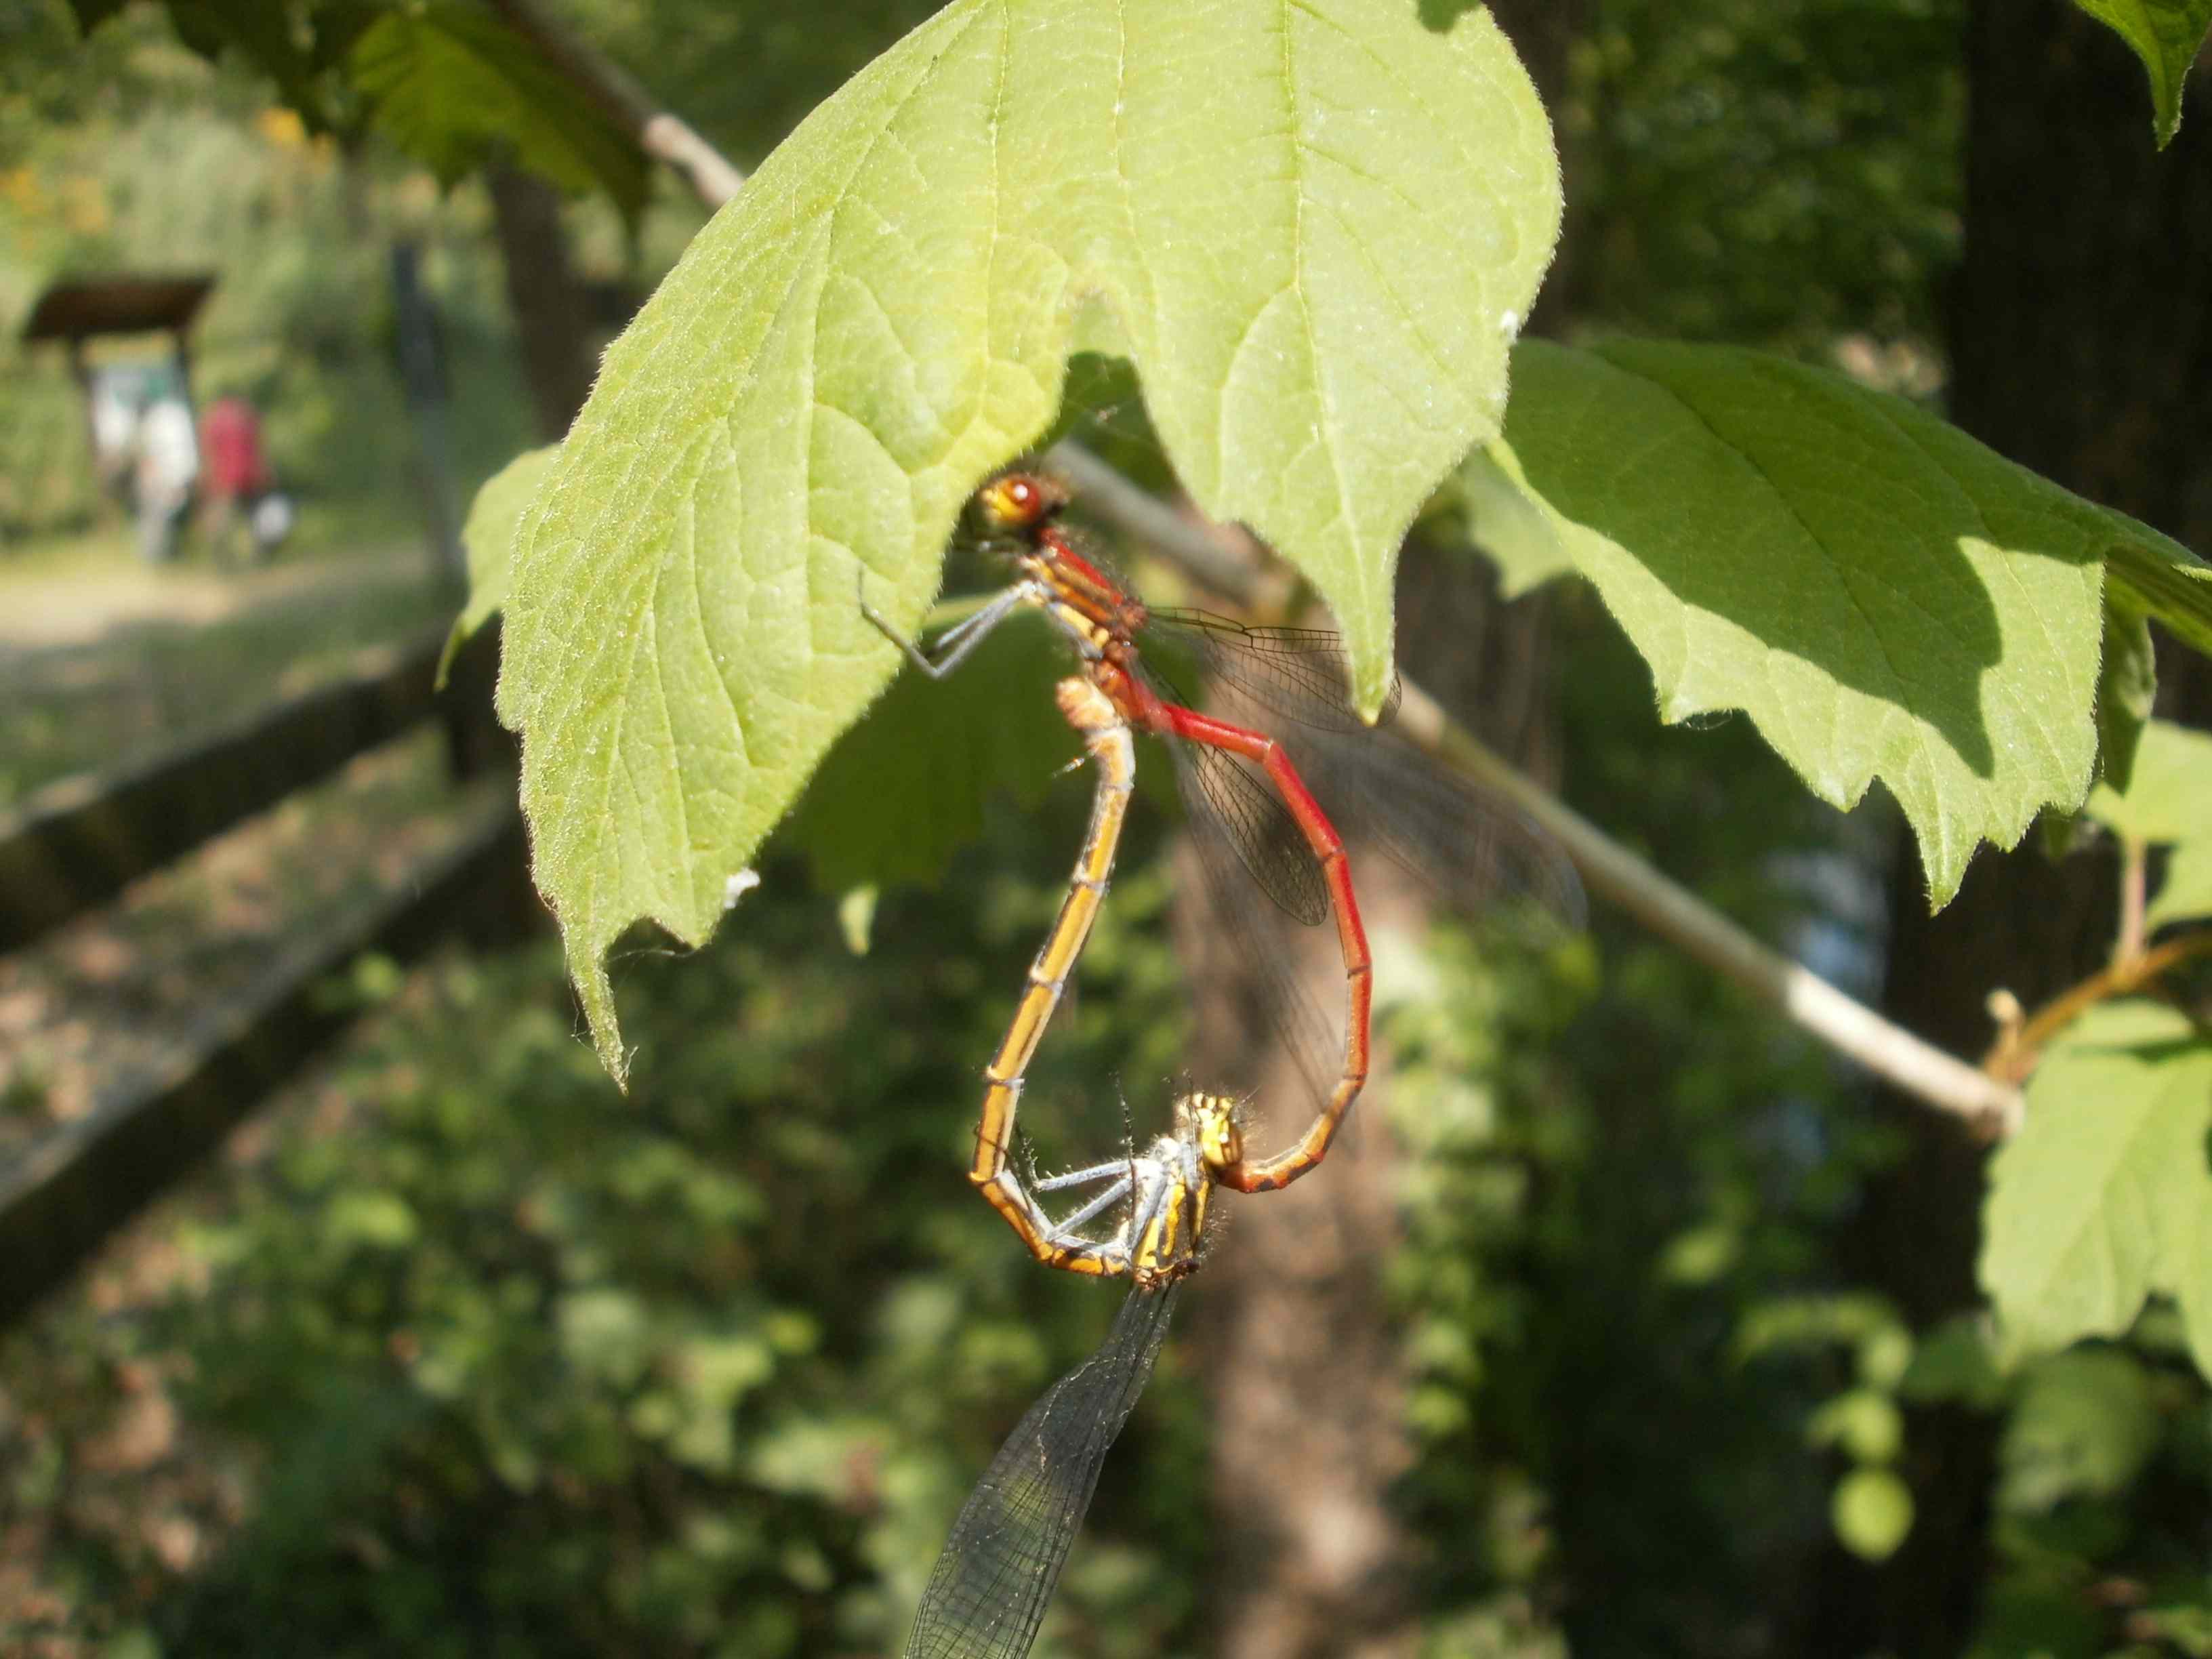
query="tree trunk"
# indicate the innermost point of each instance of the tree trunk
(552, 316)
(2081, 346)
(1301, 1357)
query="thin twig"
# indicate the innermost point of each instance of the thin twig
(661, 133)
(2016, 1053)
(1672, 911)
(2134, 858)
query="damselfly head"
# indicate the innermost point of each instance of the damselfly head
(1210, 1120)
(1016, 502)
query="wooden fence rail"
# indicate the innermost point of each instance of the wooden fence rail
(81, 842)
(77, 843)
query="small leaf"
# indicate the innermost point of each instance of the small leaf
(1864, 1422)
(1528, 545)
(1885, 596)
(2186, 892)
(2127, 684)
(1872, 1513)
(606, 1334)
(1953, 1363)
(1313, 229)
(2083, 1427)
(2169, 795)
(488, 538)
(453, 87)
(856, 916)
(2168, 36)
(370, 1216)
(2106, 1194)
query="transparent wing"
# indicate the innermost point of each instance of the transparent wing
(1471, 847)
(990, 1588)
(1300, 673)
(1316, 1043)
(1233, 793)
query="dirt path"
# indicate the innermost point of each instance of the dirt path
(77, 596)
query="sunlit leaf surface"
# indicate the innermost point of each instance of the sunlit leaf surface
(2168, 36)
(487, 539)
(1885, 597)
(2106, 1194)
(1315, 230)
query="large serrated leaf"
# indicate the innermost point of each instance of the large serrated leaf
(1883, 596)
(1314, 229)
(2106, 1194)
(2168, 36)
(453, 86)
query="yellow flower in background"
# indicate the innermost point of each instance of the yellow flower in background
(281, 127)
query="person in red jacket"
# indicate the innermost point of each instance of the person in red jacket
(237, 476)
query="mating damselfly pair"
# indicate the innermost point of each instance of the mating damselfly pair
(1254, 777)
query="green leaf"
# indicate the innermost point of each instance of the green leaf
(1872, 1512)
(455, 87)
(2127, 685)
(1314, 230)
(2168, 36)
(91, 14)
(2083, 1428)
(372, 1217)
(1883, 596)
(488, 538)
(2169, 793)
(1528, 546)
(2187, 889)
(1954, 1363)
(1864, 1422)
(906, 787)
(2106, 1194)
(2163, 578)
(606, 1334)
(290, 45)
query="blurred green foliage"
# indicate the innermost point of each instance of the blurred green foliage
(1773, 171)
(509, 1364)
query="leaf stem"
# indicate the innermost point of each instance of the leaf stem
(2016, 1052)
(1917, 1068)
(2134, 856)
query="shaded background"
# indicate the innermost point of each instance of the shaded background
(1627, 1322)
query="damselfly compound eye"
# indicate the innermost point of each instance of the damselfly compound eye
(1019, 500)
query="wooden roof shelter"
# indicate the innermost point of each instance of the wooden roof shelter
(75, 310)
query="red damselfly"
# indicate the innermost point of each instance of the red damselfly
(1249, 797)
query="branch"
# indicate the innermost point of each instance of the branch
(1891, 1053)
(2017, 1050)
(661, 134)
(2135, 858)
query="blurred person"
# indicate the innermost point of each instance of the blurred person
(241, 493)
(168, 465)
